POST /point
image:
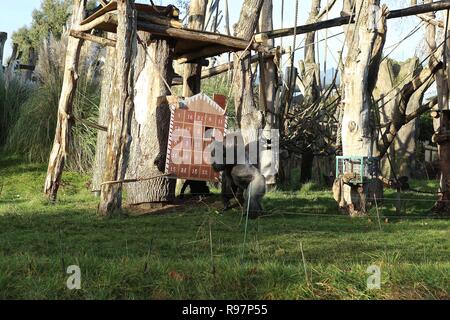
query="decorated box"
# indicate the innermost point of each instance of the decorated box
(195, 124)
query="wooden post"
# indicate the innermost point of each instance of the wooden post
(32, 59)
(361, 70)
(193, 71)
(119, 128)
(3, 38)
(12, 63)
(63, 128)
(443, 139)
(267, 95)
(150, 124)
(104, 118)
(310, 78)
(248, 116)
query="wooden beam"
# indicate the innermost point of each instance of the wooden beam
(194, 35)
(164, 21)
(107, 18)
(336, 22)
(90, 37)
(225, 67)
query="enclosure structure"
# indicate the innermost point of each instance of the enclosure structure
(129, 24)
(159, 28)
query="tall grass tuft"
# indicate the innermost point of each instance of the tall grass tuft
(33, 131)
(12, 97)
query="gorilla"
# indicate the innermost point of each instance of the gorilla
(241, 180)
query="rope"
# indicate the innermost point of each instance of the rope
(246, 219)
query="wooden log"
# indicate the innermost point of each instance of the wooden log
(87, 36)
(119, 128)
(192, 71)
(151, 123)
(249, 117)
(61, 142)
(107, 18)
(163, 21)
(208, 37)
(104, 118)
(336, 22)
(3, 38)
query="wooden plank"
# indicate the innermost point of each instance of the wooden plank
(170, 11)
(207, 37)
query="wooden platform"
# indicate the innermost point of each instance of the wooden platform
(164, 22)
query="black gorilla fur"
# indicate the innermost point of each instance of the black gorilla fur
(197, 188)
(243, 182)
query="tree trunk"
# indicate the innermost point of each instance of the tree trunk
(392, 74)
(249, 118)
(150, 126)
(193, 71)
(442, 127)
(361, 71)
(312, 86)
(32, 59)
(119, 138)
(3, 38)
(63, 128)
(442, 137)
(267, 95)
(104, 116)
(12, 64)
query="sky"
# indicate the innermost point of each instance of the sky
(17, 13)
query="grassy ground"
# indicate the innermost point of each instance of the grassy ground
(195, 253)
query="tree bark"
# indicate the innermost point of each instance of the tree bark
(359, 81)
(193, 71)
(150, 126)
(61, 142)
(249, 118)
(442, 124)
(32, 59)
(267, 95)
(119, 138)
(312, 87)
(104, 117)
(3, 38)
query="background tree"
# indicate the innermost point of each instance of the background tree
(249, 117)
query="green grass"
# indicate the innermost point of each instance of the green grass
(169, 256)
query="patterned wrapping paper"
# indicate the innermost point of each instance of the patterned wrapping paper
(192, 123)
